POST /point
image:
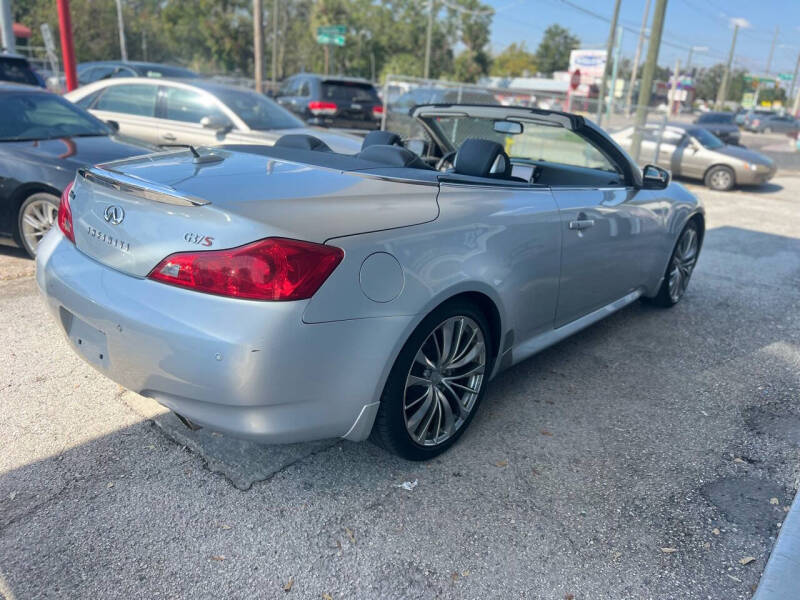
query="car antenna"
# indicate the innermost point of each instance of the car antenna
(198, 158)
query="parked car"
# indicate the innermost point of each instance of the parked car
(721, 124)
(344, 102)
(399, 111)
(739, 116)
(774, 123)
(16, 69)
(696, 153)
(198, 112)
(290, 293)
(43, 141)
(757, 113)
(107, 69)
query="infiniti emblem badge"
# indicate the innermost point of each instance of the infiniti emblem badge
(114, 214)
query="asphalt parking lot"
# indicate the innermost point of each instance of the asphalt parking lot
(651, 456)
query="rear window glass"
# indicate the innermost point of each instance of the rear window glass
(17, 71)
(346, 91)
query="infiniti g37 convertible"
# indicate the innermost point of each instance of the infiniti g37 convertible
(291, 293)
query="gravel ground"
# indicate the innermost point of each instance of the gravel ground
(646, 457)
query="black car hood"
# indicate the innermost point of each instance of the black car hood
(73, 152)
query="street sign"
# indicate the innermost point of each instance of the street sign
(575, 79)
(785, 76)
(47, 36)
(331, 34)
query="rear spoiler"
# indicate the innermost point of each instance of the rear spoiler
(140, 188)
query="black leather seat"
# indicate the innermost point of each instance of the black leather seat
(303, 142)
(393, 156)
(381, 138)
(483, 158)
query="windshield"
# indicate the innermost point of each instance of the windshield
(706, 138)
(257, 111)
(42, 116)
(538, 142)
(16, 70)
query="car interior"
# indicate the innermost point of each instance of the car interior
(475, 161)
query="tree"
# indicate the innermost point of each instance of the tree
(514, 61)
(553, 51)
(469, 66)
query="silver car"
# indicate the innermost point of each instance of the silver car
(694, 152)
(195, 111)
(292, 293)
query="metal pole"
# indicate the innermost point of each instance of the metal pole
(274, 16)
(722, 93)
(794, 78)
(67, 49)
(327, 57)
(609, 49)
(7, 26)
(614, 74)
(674, 87)
(428, 40)
(660, 137)
(647, 76)
(639, 44)
(258, 45)
(772, 49)
(689, 60)
(123, 50)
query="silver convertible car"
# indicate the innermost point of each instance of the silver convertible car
(291, 293)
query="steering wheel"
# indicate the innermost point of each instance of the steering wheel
(447, 158)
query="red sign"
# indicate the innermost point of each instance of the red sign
(575, 79)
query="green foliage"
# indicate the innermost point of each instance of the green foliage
(514, 61)
(469, 66)
(217, 35)
(553, 51)
(709, 80)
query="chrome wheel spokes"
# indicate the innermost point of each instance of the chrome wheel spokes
(37, 219)
(444, 381)
(682, 264)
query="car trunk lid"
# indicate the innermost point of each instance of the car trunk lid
(131, 214)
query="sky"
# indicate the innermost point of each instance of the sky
(688, 23)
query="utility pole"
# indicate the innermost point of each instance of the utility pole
(7, 26)
(673, 92)
(794, 80)
(614, 74)
(689, 59)
(636, 57)
(722, 93)
(274, 16)
(772, 49)
(123, 50)
(609, 49)
(428, 40)
(258, 45)
(646, 87)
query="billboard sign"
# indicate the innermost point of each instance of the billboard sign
(590, 63)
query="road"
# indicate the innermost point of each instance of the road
(648, 456)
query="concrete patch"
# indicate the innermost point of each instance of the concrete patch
(745, 502)
(241, 462)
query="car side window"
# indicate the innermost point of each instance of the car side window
(305, 89)
(86, 101)
(130, 99)
(123, 72)
(190, 106)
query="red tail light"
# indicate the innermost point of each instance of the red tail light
(322, 108)
(377, 111)
(270, 269)
(65, 215)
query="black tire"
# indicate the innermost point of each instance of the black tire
(664, 298)
(42, 206)
(720, 178)
(389, 430)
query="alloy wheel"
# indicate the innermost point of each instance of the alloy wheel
(682, 264)
(444, 381)
(38, 216)
(721, 179)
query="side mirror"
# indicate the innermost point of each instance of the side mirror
(654, 178)
(114, 125)
(215, 123)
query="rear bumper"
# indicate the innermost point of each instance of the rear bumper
(250, 369)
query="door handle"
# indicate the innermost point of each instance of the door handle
(169, 137)
(581, 224)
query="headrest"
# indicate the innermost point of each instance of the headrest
(303, 142)
(381, 138)
(393, 156)
(482, 158)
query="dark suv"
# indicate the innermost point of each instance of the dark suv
(17, 69)
(344, 102)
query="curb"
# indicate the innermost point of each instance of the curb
(779, 580)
